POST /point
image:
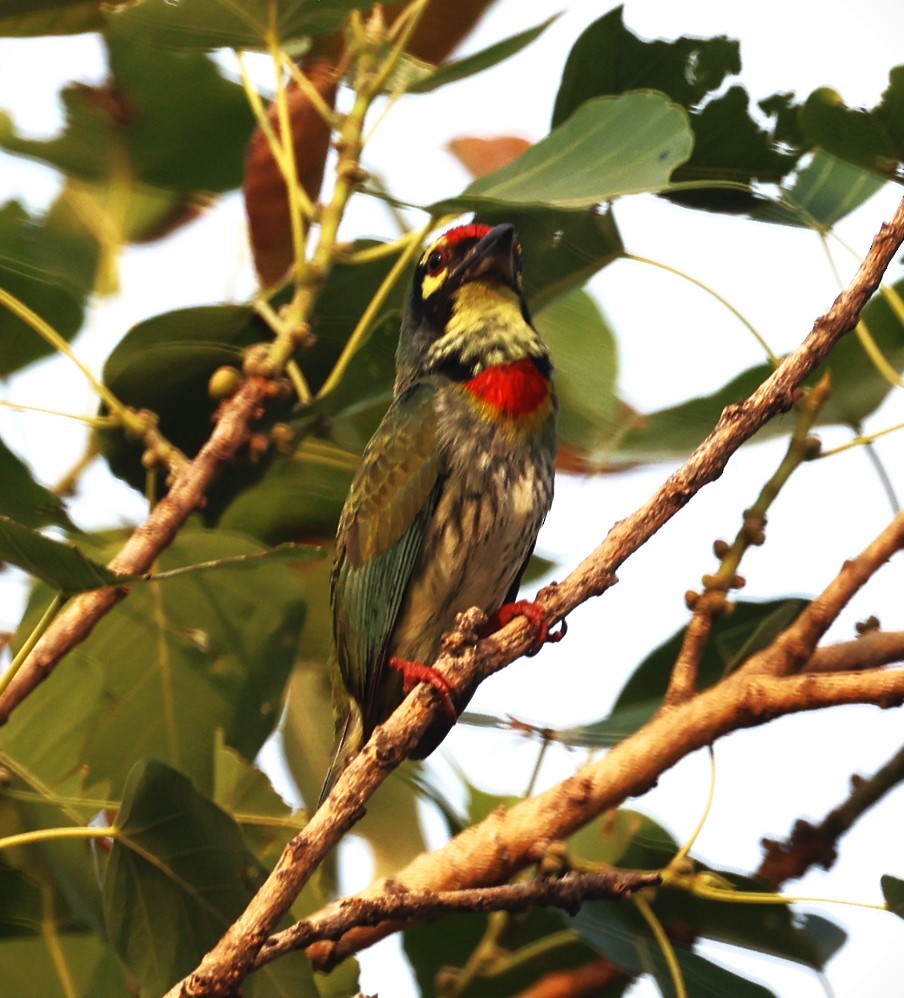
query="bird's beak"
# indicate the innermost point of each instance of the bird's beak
(493, 256)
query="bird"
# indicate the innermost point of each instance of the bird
(450, 493)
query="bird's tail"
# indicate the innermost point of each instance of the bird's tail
(349, 739)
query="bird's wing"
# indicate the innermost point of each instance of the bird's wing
(380, 533)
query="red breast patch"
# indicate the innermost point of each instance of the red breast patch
(515, 389)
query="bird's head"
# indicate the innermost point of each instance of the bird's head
(467, 310)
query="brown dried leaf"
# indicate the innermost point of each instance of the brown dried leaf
(266, 194)
(481, 156)
(442, 28)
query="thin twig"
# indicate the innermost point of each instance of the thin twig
(567, 892)
(713, 601)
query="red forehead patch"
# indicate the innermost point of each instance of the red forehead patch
(461, 232)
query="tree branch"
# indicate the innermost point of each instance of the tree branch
(508, 840)
(794, 647)
(567, 892)
(809, 844)
(872, 649)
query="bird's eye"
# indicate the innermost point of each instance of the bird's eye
(436, 262)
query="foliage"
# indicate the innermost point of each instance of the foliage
(145, 737)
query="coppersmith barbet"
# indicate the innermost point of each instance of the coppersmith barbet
(451, 491)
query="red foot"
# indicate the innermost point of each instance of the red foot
(537, 618)
(414, 673)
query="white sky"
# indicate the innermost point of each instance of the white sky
(674, 343)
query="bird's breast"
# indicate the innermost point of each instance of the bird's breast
(494, 498)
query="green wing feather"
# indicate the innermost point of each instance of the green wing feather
(379, 539)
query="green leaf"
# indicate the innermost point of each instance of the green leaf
(178, 874)
(624, 838)
(21, 905)
(619, 933)
(301, 495)
(607, 59)
(674, 432)
(893, 892)
(47, 786)
(48, 758)
(872, 139)
(196, 654)
(609, 147)
(164, 364)
(181, 659)
(23, 499)
(243, 791)
(705, 979)
(308, 728)
(858, 389)
(31, 271)
(452, 941)
(36, 925)
(30, 966)
(773, 929)
(88, 143)
(142, 117)
(730, 146)
(849, 133)
(186, 145)
(821, 193)
(62, 565)
(24, 18)
(65, 567)
(459, 69)
(210, 24)
(586, 365)
(750, 628)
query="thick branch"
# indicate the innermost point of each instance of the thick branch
(192, 479)
(508, 840)
(567, 892)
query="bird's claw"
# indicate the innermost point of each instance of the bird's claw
(537, 618)
(414, 673)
